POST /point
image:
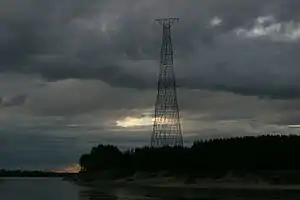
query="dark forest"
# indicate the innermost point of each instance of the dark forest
(204, 158)
(243, 153)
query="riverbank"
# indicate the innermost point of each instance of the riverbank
(250, 182)
(181, 185)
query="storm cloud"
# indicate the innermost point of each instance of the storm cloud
(118, 43)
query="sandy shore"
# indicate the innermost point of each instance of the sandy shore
(175, 183)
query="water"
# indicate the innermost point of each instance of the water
(56, 189)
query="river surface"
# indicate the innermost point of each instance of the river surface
(56, 189)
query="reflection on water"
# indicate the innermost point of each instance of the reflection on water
(93, 195)
(111, 194)
(56, 189)
(37, 189)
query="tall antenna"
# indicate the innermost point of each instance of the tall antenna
(166, 128)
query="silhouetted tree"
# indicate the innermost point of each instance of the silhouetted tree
(216, 155)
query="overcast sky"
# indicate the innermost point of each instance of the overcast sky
(76, 73)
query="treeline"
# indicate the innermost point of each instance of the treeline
(21, 173)
(239, 154)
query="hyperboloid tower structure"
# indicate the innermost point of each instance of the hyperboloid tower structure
(166, 127)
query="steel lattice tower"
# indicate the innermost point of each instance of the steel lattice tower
(166, 127)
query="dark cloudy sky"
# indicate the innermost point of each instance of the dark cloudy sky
(77, 73)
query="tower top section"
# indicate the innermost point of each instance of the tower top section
(167, 21)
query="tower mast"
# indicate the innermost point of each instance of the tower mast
(166, 128)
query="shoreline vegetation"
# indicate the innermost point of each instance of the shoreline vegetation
(263, 162)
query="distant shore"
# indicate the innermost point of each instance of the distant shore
(32, 174)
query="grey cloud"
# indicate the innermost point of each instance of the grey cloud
(95, 103)
(14, 100)
(95, 40)
(75, 96)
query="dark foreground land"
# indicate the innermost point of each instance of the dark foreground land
(253, 162)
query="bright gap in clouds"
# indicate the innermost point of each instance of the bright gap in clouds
(144, 120)
(135, 122)
(294, 126)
